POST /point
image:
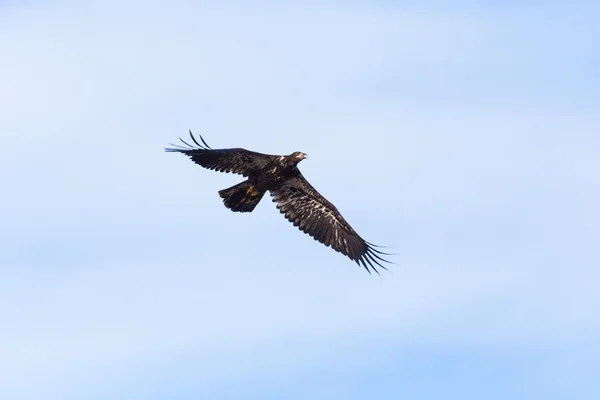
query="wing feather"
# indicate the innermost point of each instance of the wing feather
(236, 161)
(313, 214)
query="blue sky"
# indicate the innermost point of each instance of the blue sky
(464, 137)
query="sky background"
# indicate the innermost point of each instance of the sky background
(466, 137)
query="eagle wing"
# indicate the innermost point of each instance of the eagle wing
(236, 161)
(313, 214)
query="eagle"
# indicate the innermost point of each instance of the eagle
(301, 204)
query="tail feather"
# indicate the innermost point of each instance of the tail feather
(242, 197)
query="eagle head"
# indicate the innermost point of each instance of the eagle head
(293, 159)
(298, 155)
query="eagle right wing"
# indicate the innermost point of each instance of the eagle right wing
(314, 215)
(236, 161)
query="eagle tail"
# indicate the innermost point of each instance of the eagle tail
(242, 197)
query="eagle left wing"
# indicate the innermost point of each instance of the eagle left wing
(236, 161)
(313, 214)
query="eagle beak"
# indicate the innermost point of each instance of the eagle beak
(304, 156)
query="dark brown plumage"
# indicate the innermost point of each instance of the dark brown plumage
(295, 197)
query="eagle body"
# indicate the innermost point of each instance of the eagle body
(246, 195)
(300, 203)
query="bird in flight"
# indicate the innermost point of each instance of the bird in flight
(301, 204)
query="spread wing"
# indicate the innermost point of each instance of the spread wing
(237, 161)
(315, 215)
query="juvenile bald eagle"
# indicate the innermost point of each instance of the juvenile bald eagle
(295, 197)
